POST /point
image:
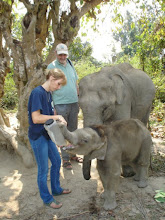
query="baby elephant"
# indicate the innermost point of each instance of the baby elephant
(123, 142)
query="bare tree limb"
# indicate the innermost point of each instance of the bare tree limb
(8, 137)
(73, 5)
(27, 4)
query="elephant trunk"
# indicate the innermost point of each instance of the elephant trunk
(90, 120)
(59, 133)
(86, 167)
(69, 136)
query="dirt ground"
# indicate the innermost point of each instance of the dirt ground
(20, 199)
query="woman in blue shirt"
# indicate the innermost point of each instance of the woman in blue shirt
(40, 109)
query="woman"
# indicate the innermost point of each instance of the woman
(40, 109)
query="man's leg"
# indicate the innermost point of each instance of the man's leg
(64, 110)
(72, 126)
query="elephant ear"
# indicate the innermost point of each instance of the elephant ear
(99, 153)
(119, 88)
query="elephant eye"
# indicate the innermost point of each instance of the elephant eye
(84, 141)
(104, 109)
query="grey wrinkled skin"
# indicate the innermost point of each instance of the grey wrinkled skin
(123, 142)
(115, 93)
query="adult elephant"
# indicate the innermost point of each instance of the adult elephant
(114, 93)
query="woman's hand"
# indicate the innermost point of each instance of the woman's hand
(61, 119)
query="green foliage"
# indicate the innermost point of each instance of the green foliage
(134, 61)
(16, 26)
(160, 196)
(126, 34)
(158, 113)
(85, 67)
(143, 36)
(78, 50)
(159, 81)
(8, 1)
(80, 55)
(10, 98)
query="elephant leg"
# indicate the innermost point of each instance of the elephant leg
(111, 184)
(145, 119)
(110, 200)
(86, 167)
(142, 164)
(141, 176)
(102, 174)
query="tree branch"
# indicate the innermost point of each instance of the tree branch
(89, 5)
(27, 4)
(73, 5)
(5, 27)
(8, 137)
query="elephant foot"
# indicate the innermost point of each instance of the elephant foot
(127, 171)
(136, 177)
(109, 205)
(142, 184)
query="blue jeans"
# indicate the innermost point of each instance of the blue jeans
(70, 113)
(44, 149)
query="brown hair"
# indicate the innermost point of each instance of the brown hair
(57, 74)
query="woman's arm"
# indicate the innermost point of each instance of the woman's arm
(38, 118)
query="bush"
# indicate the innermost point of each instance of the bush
(10, 99)
(158, 113)
(84, 67)
(159, 82)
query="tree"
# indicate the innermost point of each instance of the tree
(26, 53)
(143, 35)
(127, 35)
(78, 50)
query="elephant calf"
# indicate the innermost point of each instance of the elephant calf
(123, 142)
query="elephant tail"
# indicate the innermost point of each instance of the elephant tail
(86, 167)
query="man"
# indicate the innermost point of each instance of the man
(66, 99)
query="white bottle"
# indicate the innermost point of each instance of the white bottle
(54, 132)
